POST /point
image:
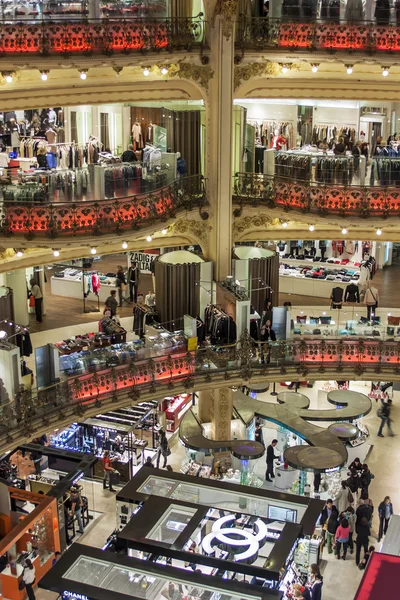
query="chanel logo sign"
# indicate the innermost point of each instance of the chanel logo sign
(243, 544)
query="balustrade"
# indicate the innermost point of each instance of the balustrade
(261, 33)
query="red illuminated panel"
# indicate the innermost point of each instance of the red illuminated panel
(380, 581)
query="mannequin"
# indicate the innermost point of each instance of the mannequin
(150, 132)
(322, 247)
(137, 135)
(337, 297)
(352, 294)
(371, 299)
(52, 116)
(51, 135)
(278, 141)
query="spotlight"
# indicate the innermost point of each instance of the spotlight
(385, 71)
(285, 69)
(349, 69)
(8, 76)
(344, 231)
(56, 253)
(285, 224)
(44, 75)
(124, 245)
(148, 238)
(146, 71)
(311, 228)
(314, 68)
(378, 232)
(93, 250)
(164, 231)
(19, 253)
(3, 334)
(83, 74)
(164, 70)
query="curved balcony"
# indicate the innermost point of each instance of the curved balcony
(295, 33)
(99, 36)
(253, 189)
(92, 217)
(34, 412)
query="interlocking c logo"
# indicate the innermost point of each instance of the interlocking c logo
(233, 540)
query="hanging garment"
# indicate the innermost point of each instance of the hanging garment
(354, 10)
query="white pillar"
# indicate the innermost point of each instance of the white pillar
(16, 280)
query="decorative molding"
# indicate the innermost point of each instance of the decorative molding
(257, 221)
(199, 74)
(227, 9)
(192, 228)
(257, 69)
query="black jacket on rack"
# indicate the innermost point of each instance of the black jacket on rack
(352, 293)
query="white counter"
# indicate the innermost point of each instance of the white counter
(72, 288)
(306, 286)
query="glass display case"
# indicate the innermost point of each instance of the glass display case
(175, 407)
(90, 360)
(164, 340)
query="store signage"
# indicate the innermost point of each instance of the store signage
(236, 539)
(144, 259)
(74, 596)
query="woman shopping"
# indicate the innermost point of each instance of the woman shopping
(37, 295)
(29, 576)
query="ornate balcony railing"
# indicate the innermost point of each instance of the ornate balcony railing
(35, 411)
(253, 189)
(261, 33)
(100, 36)
(87, 217)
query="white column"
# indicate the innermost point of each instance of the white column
(16, 280)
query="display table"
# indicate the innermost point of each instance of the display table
(306, 286)
(10, 581)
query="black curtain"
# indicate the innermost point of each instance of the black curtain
(266, 269)
(177, 292)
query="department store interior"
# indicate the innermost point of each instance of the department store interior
(161, 529)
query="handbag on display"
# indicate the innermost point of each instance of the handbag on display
(317, 332)
(325, 320)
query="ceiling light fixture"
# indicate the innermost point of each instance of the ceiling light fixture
(164, 231)
(83, 74)
(93, 250)
(285, 224)
(378, 231)
(385, 71)
(349, 69)
(56, 253)
(314, 68)
(19, 253)
(124, 245)
(44, 75)
(148, 238)
(311, 227)
(117, 70)
(146, 71)
(164, 70)
(344, 231)
(285, 68)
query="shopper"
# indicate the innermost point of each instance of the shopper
(340, 147)
(317, 482)
(111, 303)
(37, 294)
(366, 558)
(108, 470)
(342, 538)
(384, 413)
(302, 591)
(149, 462)
(29, 576)
(354, 480)
(121, 284)
(368, 502)
(356, 464)
(258, 434)
(327, 511)
(133, 280)
(363, 532)
(385, 511)
(365, 480)
(129, 155)
(350, 515)
(316, 588)
(331, 527)
(76, 508)
(163, 449)
(344, 498)
(271, 456)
